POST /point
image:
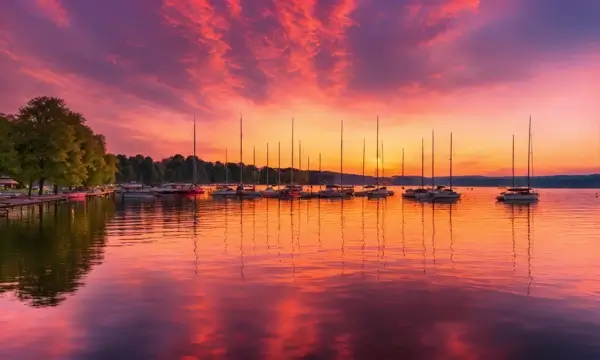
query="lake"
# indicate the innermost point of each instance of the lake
(331, 279)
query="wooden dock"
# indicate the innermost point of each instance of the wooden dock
(7, 203)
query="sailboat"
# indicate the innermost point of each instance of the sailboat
(421, 191)
(363, 192)
(246, 191)
(291, 191)
(269, 192)
(390, 192)
(224, 190)
(378, 192)
(338, 191)
(193, 188)
(516, 194)
(442, 193)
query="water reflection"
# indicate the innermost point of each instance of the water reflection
(43, 259)
(349, 279)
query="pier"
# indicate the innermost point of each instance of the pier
(11, 202)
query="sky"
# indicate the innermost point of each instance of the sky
(141, 70)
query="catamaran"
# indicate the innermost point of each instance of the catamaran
(516, 194)
(378, 192)
(441, 193)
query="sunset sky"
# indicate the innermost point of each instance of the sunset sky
(140, 70)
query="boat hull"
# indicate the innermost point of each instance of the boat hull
(518, 198)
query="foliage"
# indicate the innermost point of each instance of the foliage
(9, 164)
(178, 168)
(46, 140)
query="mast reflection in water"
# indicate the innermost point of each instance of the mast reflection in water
(351, 279)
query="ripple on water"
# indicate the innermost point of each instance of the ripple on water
(315, 279)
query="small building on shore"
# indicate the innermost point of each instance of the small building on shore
(8, 183)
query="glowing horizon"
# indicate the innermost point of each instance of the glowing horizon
(475, 68)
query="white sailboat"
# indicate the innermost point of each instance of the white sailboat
(441, 193)
(520, 194)
(224, 190)
(269, 191)
(291, 190)
(363, 192)
(378, 192)
(243, 190)
(390, 192)
(337, 191)
(421, 191)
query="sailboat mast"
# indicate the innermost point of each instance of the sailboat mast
(300, 156)
(432, 159)
(529, 156)
(422, 162)
(513, 162)
(254, 165)
(377, 171)
(342, 153)
(194, 162)
(292, 169)
(450, 161)
(267, 170)
(226, 168)
(382, 164)
(308, 170)
(241, 163)
(402, 178)
(319, 179)
(363, 167)
(279, 164)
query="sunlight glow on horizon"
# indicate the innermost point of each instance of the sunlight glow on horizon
(474, 76)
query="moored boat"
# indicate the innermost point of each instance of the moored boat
(269, 192)
(520, 194)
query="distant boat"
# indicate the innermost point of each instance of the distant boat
(390, 192)
(224, 190)
(338, 191)
(243, 190)
(378, 192)
(441, 193)
(269, 191)
(363, 192)
(520, 194)
(421, 191)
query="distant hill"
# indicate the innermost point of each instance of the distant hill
(554, 181)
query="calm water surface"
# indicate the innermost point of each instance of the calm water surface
(264, 279)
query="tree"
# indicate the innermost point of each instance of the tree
(50, 139)
(9, 164)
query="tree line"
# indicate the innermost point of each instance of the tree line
(45, 141)
(177, 168)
